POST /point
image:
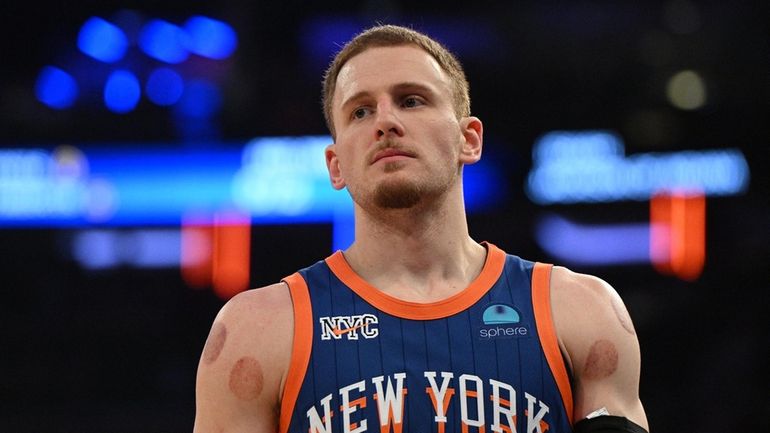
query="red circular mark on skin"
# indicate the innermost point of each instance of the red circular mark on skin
(214, 343)
(602, 360)
(246, 378)
(622, 314)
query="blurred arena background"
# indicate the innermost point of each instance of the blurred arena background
(158, 157)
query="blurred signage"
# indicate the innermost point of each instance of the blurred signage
(272, 180)
(591, 166)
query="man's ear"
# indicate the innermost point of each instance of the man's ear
(333, 165)
(473, 138)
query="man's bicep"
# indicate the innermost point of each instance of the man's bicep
(240, 373)
(602, 346)
(223, 405)
(608, 378)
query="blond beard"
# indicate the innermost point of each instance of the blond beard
(406, 194)
(397, 195)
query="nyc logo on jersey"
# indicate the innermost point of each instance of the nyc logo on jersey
(350, 327)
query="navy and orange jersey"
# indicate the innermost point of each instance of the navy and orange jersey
(484, 360)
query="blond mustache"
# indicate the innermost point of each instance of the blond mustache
(389, 143)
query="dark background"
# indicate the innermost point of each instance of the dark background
(116, 350)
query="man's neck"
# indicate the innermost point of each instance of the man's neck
(416, 254)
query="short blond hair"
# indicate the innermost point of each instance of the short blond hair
(390, 36)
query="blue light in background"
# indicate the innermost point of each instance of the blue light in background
(483, 184)
(95, 249)
(103, 249)
(343, 229)
(286, 176)
(609, 244)
(569, 146)
(111, 41)
(102, 40)
(275, 180)
(122, 91)
(164, 86)
(35, 183)
(56, 88)
(200, 99)
(590, 166)
(163, 41)
(210, 38)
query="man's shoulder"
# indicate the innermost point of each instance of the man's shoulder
(581, 289)
(254, 319)
(257, 325)
(587, 312)
(272, 296)
(245, 361)
(253, 307)
(587, 308)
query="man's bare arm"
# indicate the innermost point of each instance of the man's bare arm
(600, 344)
(244, 363)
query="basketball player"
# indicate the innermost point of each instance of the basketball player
(416, 327)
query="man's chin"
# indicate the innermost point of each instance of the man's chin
(397, 196)
(393, 166)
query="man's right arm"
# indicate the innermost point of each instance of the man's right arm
(244, 363)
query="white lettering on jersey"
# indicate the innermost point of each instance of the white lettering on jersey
(317, 424)
(439, 393)
(503, 406)
(478, 394)
(349, 326)
(347, 407)
(390, 403)
(390, 395)
(533, 422)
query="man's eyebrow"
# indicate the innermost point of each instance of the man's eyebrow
(413, 87)
(354, 97)
(408, 86)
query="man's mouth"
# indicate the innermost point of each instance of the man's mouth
(391, 154)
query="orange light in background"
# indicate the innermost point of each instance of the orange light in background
(678, 234)
(197, 246)
(217, 252)
(232, 252)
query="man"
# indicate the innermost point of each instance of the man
(416, 327)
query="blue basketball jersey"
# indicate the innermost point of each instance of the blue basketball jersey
(484, 360)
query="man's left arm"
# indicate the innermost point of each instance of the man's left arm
(597, 337)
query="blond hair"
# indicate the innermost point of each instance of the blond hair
(389, 36)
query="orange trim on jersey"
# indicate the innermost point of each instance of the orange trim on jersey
(490, 273)
(301, 347)
(541, 301)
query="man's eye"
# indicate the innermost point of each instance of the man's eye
(360, 113)
(412, 102)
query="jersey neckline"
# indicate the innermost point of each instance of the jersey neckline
(490, 273)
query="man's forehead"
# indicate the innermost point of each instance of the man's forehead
(387, 66)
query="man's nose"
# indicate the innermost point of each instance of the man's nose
(388, 121)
